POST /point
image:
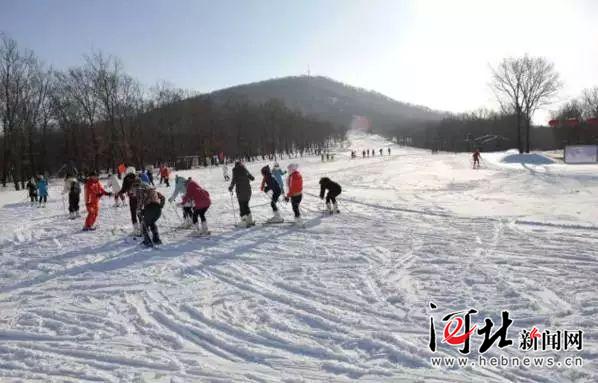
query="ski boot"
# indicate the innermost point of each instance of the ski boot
(329, 208)
(335, 208)
(276, 218)
(250, 221)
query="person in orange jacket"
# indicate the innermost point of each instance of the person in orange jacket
(295, 191)
(164, 175)
(93, 192)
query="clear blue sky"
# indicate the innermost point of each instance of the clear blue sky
(431, 52)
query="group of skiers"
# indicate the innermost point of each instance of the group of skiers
(146, 203)
(38, 191)
(366, 153)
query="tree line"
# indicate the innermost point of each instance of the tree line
(95, 116)
(522, 85)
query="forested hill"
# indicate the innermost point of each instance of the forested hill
(333, 101)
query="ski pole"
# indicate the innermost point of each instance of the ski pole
(232, 202)
(176, 211)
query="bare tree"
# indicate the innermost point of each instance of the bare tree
(589, 100)
(522, 86)
(18, 69)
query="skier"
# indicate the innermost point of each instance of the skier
(200, 199)
(381, 152)
(114, 184)
(93, 192)
(144, 177)
(295, 192)
(42, 188)
(373, 153)
(363, 154)
(149, 209)
(150, 176)
(73, 189)
(240, 181)
(476, 159)
(180, 186)
(129, 184)
(270, 183)
(32, 187)
(368, 152)
(165, 175)
(334, 190)
(389, 151)
(225, 173)
(277, 172)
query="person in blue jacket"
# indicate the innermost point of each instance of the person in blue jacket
(42, 187)
(144, 177)
(180, 187)
(277, 172)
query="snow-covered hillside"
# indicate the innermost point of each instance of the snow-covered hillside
(346, 298)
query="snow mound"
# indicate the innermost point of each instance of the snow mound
(527, 158)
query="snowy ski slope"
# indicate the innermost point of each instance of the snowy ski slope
(344, 299)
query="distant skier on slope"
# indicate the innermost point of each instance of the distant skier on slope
(180, 186)
(240, 181)
(42, 189)
(295, 192)
(269, 183)
(32, 188)
(93, 192)
(225, 173)
(334, 190)
(476, 159)
(200, 199)
(149, 209)
(73, 190)
(278, 174)
(389, 151)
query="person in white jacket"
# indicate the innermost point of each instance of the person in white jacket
(114, 184)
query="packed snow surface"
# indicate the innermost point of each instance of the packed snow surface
(347, 298)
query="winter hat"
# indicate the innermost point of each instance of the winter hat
(276, 165)
(130, 170)
(292, 167)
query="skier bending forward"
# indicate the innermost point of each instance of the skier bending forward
(334, 190)
(270, 183)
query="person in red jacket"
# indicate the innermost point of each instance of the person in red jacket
(93, 192)
(200, 199)
(295, 191)
(164, 174)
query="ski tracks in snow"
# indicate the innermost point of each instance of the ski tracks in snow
(344, 299)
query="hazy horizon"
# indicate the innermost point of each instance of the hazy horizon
(432, 53)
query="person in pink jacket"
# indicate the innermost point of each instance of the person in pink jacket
(200, 199)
